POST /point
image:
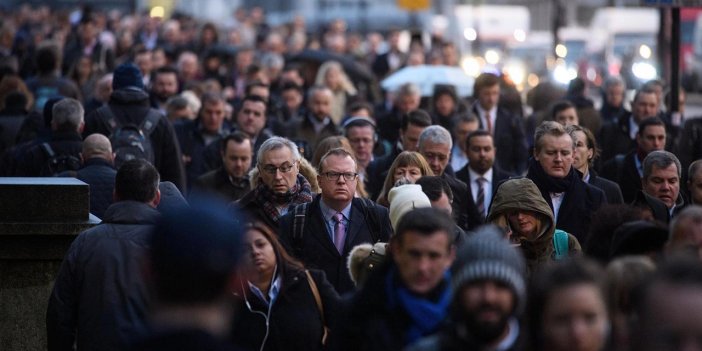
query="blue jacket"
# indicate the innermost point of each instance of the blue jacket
(100, 176)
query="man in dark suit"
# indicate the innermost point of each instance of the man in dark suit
(481, 171)
(619, 136)
(407, 98)
(435, 145)
(413, 124)
(392, 60)
(628, 170)
(334, 222)
(231, 181)
(507, 129)
(316, 125)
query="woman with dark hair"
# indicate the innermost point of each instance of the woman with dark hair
(281, 305)
(407, 168)
(567, 308)
(586, 152)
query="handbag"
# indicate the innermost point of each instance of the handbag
(320, 307)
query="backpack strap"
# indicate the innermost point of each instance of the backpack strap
(48, 150)
(108, 117)
(320, 306)
(148, 125)
(299, 214)
(560, 244)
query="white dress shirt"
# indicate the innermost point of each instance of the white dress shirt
(492, 115)
(474, 186)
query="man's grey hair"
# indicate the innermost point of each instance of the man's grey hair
(408, 89)
(273, 60)
(660, 159)
(613, 81)
(437, 135)
(549, 128)
(68, 113)
(275, 143)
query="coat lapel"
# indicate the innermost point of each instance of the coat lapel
(355, 225)
(318, 229)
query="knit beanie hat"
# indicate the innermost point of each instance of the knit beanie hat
(487, 254)
(127, 75)
(403, 199)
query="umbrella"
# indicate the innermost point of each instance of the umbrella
(426, 77)
(353, 69)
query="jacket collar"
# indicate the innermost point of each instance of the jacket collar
(97, 161)
(131, 212)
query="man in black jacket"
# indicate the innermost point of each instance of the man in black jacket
(507, 129)
(481, 171)
(435, 145)
(231, 181)
(572, 200)
(627, 170)
(195, 136)
(100, 298)
(130, 105)
(62, 151)
(98, 172)
(407, 297)
(335, 222)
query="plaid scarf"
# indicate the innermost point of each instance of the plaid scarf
(300, 193)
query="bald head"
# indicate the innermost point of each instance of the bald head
(97, 145)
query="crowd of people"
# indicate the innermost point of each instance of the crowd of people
(258, 190)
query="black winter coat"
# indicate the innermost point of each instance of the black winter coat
(35, 160)
(100, 176)
(294, 320)
(318, 250)
(192, 146)
(131, 107)
(100, 299)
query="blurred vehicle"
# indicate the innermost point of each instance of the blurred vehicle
(484, 32)
(627, 39)
(528, 62)
(572, 59)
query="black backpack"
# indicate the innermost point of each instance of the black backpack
(58, 163)
(301, 213)
(130, 141)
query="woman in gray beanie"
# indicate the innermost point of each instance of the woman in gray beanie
(519, 206)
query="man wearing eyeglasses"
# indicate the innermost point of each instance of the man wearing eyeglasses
(279, 185)
(335, 222)
(435, 145)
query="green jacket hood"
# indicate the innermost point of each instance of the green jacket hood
(522, 194)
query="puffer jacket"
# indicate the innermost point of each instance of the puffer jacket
(523, 194)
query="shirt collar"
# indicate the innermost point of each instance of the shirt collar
(273, 291)
(474, 175)
(328, 212)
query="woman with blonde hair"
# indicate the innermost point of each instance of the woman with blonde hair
(332, 75)
(406, 169)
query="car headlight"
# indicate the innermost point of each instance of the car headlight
(644, 71)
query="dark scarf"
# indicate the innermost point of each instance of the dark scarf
(548, 184)
(300, 193)
(426, 315)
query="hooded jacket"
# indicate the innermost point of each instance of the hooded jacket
(131, 107)
(523, 194)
